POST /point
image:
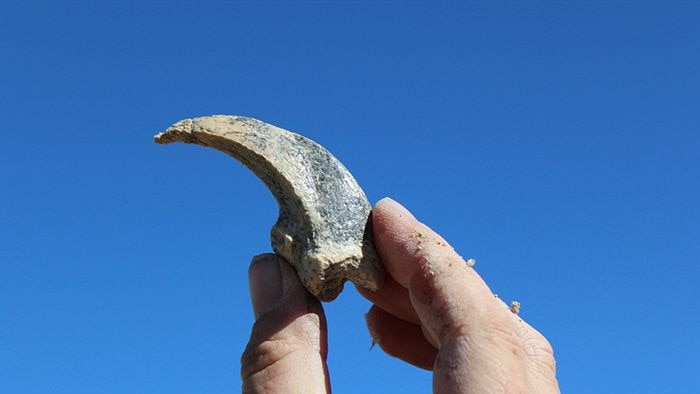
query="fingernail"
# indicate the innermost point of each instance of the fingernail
(394, 207)
(372, 332)
(265, 282)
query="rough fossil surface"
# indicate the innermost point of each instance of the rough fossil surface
(324, 227)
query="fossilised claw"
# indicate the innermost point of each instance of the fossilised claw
(324, 228)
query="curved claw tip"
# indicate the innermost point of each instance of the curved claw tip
(162, 138)
(180, 131)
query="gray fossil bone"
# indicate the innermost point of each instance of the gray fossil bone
(324, 226)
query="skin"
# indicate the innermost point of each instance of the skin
(433, 311)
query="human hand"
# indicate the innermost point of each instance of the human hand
(433, 311)
(287, 349)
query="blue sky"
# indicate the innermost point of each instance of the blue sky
(555, 143)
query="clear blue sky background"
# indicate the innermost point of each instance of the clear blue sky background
(555, 143)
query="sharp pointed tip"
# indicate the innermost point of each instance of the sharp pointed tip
(177, 132)
(162, 138)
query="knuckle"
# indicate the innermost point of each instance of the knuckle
(264, 351)
(258, 357)
(541, 353)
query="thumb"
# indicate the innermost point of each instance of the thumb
(287, 347)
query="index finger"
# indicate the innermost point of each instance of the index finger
(449, 297)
